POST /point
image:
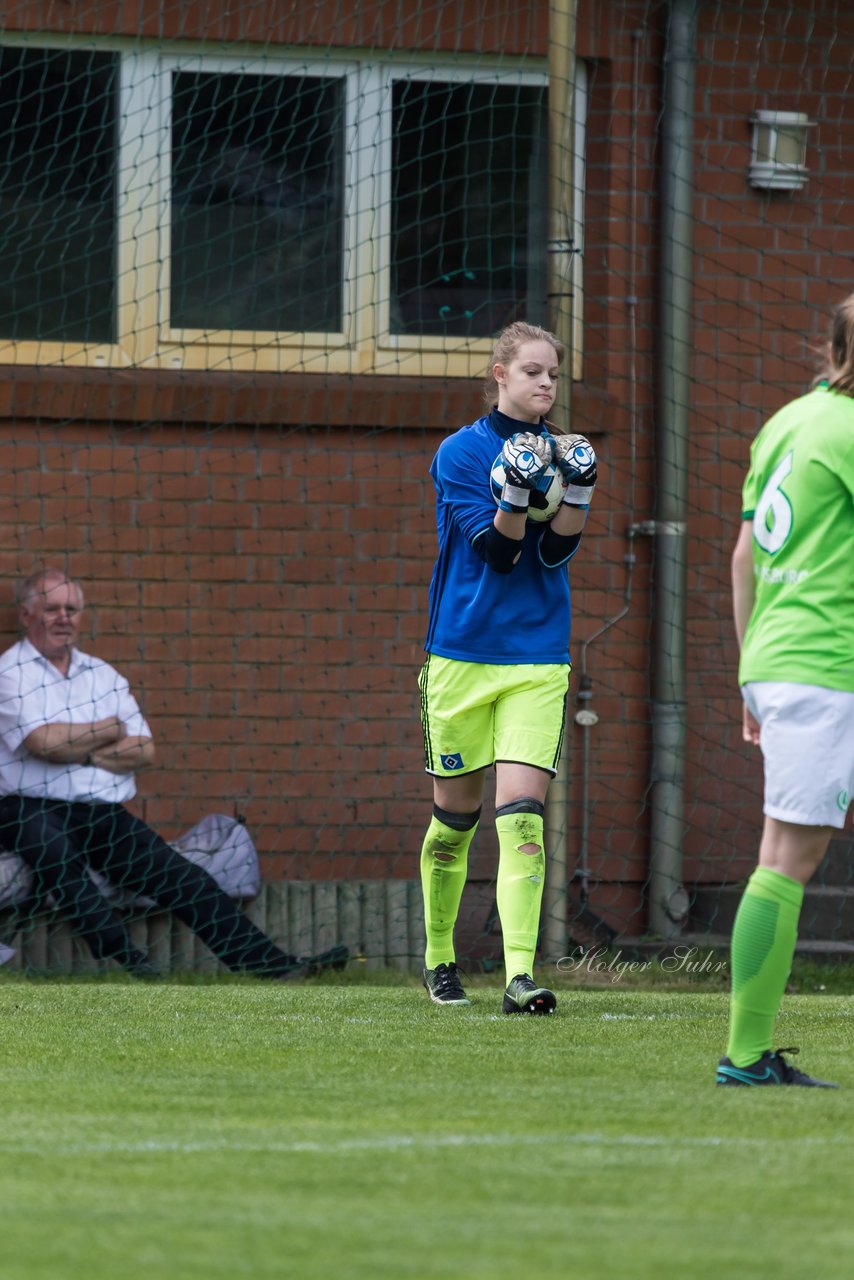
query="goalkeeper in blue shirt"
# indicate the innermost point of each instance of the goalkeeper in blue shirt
(494, 683)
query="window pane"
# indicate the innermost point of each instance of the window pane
(57, 195)
(469, 207)
(257, 199)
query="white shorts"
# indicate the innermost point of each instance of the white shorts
(807, 741)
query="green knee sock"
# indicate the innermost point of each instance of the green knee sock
(444, 863)
(519, 891)
(763, 943)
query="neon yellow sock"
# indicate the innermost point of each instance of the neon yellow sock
(763, 943)
(519, 891)
(444, 864)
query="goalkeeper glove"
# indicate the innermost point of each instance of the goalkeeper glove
(524, 457)
(575, 459)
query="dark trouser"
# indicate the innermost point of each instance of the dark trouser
(58, 840)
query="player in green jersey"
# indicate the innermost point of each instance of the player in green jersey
(793, 604)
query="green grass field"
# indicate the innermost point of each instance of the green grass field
(237, 1129)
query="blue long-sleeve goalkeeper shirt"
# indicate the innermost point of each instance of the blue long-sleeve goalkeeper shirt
(477, 614)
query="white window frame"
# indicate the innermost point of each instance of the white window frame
(364, 344)
(69, 352)
(400, 348)
(231, 342)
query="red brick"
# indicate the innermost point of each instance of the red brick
(287, 633)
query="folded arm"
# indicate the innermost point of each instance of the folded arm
(128, 755)
(72, 743)
(102, 743)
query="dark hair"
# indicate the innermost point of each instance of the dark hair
(506, 346)
(838, 369)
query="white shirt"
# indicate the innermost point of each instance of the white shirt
(33, 693)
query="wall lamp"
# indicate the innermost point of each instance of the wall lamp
(778, 159)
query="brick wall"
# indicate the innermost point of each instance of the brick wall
(257, 551)
(768, 268)
(265, 592)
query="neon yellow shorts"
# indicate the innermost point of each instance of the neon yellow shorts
(475, 713)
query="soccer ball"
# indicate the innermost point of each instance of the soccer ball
(546, 496)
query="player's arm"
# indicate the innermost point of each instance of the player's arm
(72, 743)
(743, 596)
(576, 460)
(743, 581)
(525, 458)
(568, 521)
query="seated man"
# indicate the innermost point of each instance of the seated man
(72, 737)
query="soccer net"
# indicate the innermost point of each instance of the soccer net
(251, 263)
